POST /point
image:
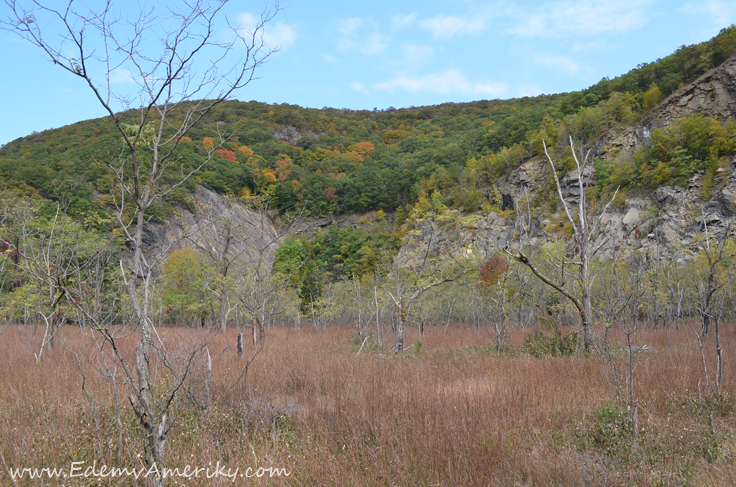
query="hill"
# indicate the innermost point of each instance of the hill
(338, 161)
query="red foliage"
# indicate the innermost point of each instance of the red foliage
(226, 154)
(330, 194)
(492, 271)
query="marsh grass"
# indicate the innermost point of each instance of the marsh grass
(456, 413)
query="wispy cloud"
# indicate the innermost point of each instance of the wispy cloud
(279, 35)
(328, 58)
(362, 35)
(417, 54)
(583, 17)
(722, 13)
(528, 90)
(448, 26)
(360, 88)
(563, 64)
(447, 82)
(401, 21)
(121, 76)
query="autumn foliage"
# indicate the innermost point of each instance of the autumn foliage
(226, 154)
(492, 271)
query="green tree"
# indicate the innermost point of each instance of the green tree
(652, 97)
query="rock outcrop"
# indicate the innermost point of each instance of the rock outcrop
(712, 95)
(252, 237)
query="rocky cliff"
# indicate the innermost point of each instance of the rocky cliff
(251, 236)
(662, 223)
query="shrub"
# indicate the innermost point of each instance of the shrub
(540, 345)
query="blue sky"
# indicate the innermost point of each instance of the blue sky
(380, 53)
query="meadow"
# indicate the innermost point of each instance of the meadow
(334, 409)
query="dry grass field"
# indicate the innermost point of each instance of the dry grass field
(448, 412)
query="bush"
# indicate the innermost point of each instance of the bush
(540, 345)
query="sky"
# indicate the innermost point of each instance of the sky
(381, 53)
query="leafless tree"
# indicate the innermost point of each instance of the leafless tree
(260, 289)
(420, 272)
(585, 228)
(714, 269)
(180, 79)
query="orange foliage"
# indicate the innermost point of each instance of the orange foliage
(354, 156)
(269, 175)
(364, 148)
(283, 168)
(208, 143)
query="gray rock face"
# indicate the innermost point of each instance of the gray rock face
(289, 134)
(712, 95)
(631, 219)
(571, 185)
(253, 237)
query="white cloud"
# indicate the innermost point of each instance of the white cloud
(282, 35)
(528, 90)
(360, 88)
(361, 35)
(328, 58)
(447, 82)
(583, 17)
(121, 76)
(560, 63)
(416, 54)
(400, 21)
(447, 26)
(279, 36)
(601, 45)
(722, 13)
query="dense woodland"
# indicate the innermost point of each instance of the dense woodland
(353, 161)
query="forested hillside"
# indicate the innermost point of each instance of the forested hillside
(336, 161)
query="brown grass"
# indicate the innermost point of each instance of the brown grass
(454, 414)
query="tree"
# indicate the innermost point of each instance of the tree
(261, 289)
(179, 81)
(652, 97)
(714, 268)
(183, 285)
(422, 267)
(580, 246)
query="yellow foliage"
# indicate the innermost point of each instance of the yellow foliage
(245, 151)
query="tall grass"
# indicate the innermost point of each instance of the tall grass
(450, 412)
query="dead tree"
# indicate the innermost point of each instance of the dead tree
(177, 88)
(581, 246)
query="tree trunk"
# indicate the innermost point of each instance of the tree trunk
(719, 355)
(400, 325)
(587, 316)
(223, 287)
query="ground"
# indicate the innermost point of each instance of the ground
(450, 411)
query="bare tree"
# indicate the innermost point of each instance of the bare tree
(180, 80)
(421, 271)
(715, 269)
(581, 246)
(261, 289)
